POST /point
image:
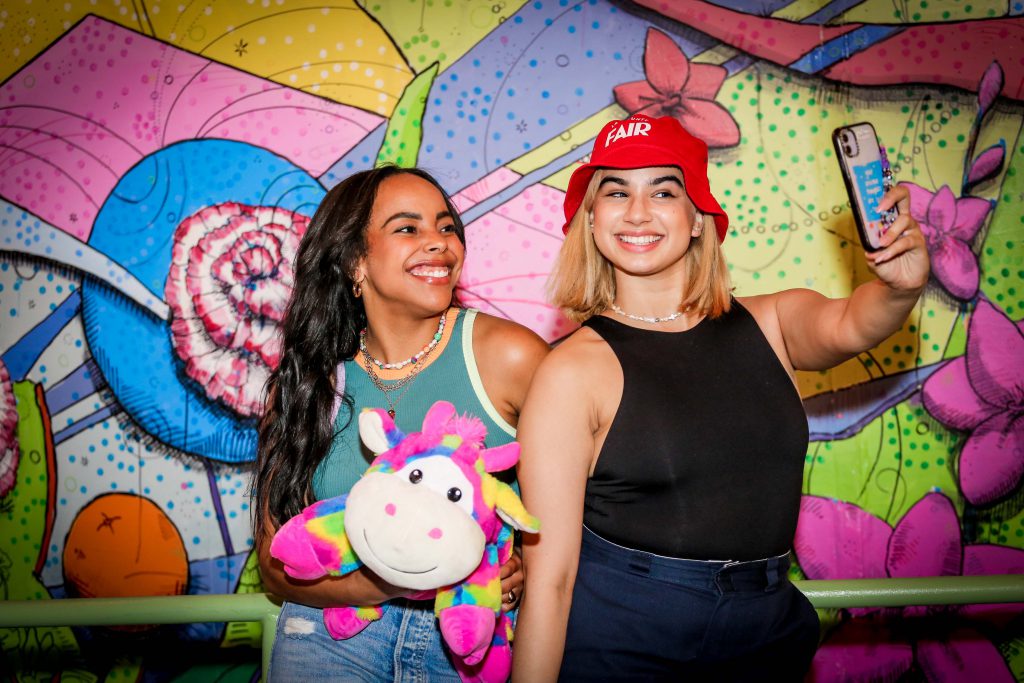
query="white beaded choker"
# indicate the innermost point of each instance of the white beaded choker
(645, 318)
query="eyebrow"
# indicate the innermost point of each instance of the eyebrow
(409, 215)
(654, 181)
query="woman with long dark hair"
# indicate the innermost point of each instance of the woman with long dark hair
(373, 322)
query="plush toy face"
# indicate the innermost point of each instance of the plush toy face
(414, 527)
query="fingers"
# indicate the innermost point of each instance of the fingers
(512, 580)
(899, 196)
(902, 236)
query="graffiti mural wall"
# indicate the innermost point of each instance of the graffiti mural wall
(159, 162)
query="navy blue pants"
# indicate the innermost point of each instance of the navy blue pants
(642, 617)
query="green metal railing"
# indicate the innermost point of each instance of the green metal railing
(260, 607)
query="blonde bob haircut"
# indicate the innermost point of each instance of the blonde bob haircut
(582, 283)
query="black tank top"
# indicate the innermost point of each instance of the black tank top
(704, 458)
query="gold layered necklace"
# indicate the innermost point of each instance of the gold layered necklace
(402, 384)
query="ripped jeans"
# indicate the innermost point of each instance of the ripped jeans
(404, 646)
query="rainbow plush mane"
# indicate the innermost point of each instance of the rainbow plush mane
(428, 516)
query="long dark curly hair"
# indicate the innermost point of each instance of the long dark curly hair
(320, 330)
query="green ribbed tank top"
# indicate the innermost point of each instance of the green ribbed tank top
(452, 377)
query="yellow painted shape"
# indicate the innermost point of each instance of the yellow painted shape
(337, 52)
(439, 31)
(800, 9)
(719, 54)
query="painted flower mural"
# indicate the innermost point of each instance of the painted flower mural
(683, 90)
(949, 223)
(982, 392)
(8, 435)
(839, 540)
(229, 281)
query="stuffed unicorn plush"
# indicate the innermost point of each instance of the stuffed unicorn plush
(428, 516)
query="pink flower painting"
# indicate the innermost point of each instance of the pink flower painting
(982, 392)
(949, 224)
(230, 279)
(678, 88)
(8, 432)
(839, 540)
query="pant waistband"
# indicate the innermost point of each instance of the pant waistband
(726, 575)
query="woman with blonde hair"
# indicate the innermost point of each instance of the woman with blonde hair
(663, 443)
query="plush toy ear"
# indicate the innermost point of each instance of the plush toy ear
(438, 417)
(378, 430)
(500, 457)
(513, 512)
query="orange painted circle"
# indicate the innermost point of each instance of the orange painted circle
(123, 545)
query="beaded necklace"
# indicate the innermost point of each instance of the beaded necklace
(645, 318)
(404, 382)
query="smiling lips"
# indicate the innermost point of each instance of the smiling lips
(431, 272)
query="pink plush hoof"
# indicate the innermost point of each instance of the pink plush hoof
(468, 630)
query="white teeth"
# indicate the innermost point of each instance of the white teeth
(426, 271)
(641, 240)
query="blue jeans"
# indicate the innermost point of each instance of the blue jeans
(636, 616)
(404, 646)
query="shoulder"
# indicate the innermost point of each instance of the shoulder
(507, 344)
(578, 360)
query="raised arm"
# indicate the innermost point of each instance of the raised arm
(819, 332)
(556, 432)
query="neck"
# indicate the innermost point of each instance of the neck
(649, 295)
(394, 337)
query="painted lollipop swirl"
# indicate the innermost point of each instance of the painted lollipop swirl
(8, 438)
(229, 282)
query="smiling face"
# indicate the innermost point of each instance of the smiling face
(414, 255)
(415, 527)
(643, 221)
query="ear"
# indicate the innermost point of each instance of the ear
(439, 415)
(500, 457)
(513, 512)
(698, 224)
(378, 430)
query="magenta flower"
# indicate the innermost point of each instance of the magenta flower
(838, 540)
(8, 432)
(684, 91)
(983, 392)
(949, 224)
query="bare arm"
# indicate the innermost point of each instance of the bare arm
(820, 332)
(557, 436)
(361, 587)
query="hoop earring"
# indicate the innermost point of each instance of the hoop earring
(357, 289)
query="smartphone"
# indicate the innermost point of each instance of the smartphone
(867, 176)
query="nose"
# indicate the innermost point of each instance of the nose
(637, 211)
(435, 242)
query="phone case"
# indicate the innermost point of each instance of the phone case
(866, 173)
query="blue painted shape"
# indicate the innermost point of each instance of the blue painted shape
(360, 158)
(843, 47)
(759, 8)
(551, 60)
(24, 353)
(84, 423)
(842, 414)
(76, 385)
(135, 228)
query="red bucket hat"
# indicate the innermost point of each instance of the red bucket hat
(640, 142)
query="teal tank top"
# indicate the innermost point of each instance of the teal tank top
(452, 377)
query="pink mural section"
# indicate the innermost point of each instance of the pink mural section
(102, 98)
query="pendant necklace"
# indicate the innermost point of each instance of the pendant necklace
(646, 318)
(402, 383)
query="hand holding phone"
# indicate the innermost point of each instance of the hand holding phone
(867, 176)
